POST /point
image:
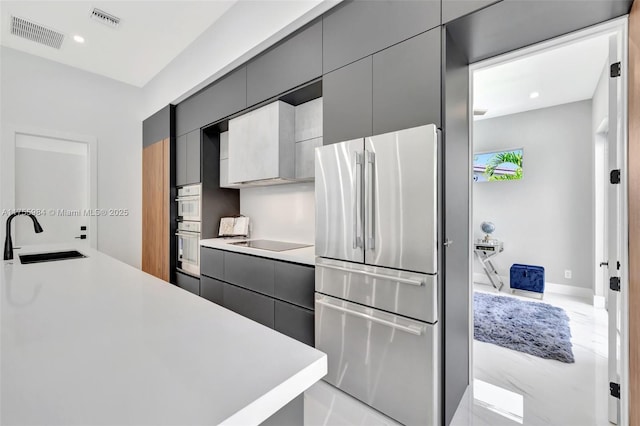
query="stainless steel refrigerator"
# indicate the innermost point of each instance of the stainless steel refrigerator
(376, 299)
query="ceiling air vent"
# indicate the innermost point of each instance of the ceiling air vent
(36, 32)
(105, 18)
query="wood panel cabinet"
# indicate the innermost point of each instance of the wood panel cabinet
(360, 28)
(347, 102)
(296, 60)
(155, 209)
(406, 84)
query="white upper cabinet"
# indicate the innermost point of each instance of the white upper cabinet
(261, 145)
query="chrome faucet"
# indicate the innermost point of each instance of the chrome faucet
(8, 243)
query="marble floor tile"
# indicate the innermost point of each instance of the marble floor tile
(553, 393)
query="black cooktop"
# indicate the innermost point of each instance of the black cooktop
(270, 245)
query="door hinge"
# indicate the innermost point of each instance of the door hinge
(614, 70)
(614, 389)
(614, 283)
(614, 176)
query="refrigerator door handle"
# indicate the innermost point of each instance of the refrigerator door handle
(371, 239)
(357, 203)
(373, 275)
(412, 329)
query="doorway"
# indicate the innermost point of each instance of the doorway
(541, 200)
(54, 176)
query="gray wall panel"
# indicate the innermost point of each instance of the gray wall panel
(512, 24)
(457, 177)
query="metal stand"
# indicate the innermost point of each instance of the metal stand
(485, 250)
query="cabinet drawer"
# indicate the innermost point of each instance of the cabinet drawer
(212, 262)
(254, 273)
(295, 283)
(211, 289)
(295, 322)
(249, 304)
(187, 282)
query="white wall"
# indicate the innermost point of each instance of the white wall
(546, 218)
(43, 94)
(247, 28)
(281, 212)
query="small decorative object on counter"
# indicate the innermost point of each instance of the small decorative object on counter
(234, 227)
(527, 277)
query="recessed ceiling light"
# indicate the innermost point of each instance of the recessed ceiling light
(78, 39)
(534, 95)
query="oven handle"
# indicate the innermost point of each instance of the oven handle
(188, 198)
(188, 234)
(374, 275)
(412, 329)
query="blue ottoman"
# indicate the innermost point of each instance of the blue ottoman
(527, 277)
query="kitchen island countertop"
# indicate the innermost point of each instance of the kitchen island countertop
(96, 341)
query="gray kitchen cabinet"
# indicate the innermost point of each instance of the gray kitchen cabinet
(347, 102)
(212, 290)
(220, 99)
(187, 282)
(181, 160)
(289, 64)
(188, 158)
(360, 28)
(193, 157)
(294, 322)
(295, 283)
(406, 84)
(252, 272)
(247, 303)
(453, 9)
(212, 262)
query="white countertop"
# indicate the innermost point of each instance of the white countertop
(305, 255)
(96, 341)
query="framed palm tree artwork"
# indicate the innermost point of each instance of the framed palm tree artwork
(497, 165)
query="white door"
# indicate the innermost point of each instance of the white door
(614, 221)
(51, 178)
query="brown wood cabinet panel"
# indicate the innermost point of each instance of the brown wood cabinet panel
(155, 209)
(634, 215)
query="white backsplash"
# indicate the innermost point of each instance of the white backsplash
(281, 212)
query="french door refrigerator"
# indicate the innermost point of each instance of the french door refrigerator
(376, 299)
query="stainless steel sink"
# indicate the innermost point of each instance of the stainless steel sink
(50, 257)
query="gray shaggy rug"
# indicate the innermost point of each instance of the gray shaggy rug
(531, 327)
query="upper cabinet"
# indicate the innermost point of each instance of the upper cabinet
(360, 28)
(223, 98)
(289, 64)
(261, 145)
(308, 136)
(347, 102)
(188, 158)
(159, 126)
(406, 84)
(453, 9)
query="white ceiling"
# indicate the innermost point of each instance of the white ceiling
(568, 73)
(150, 35)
